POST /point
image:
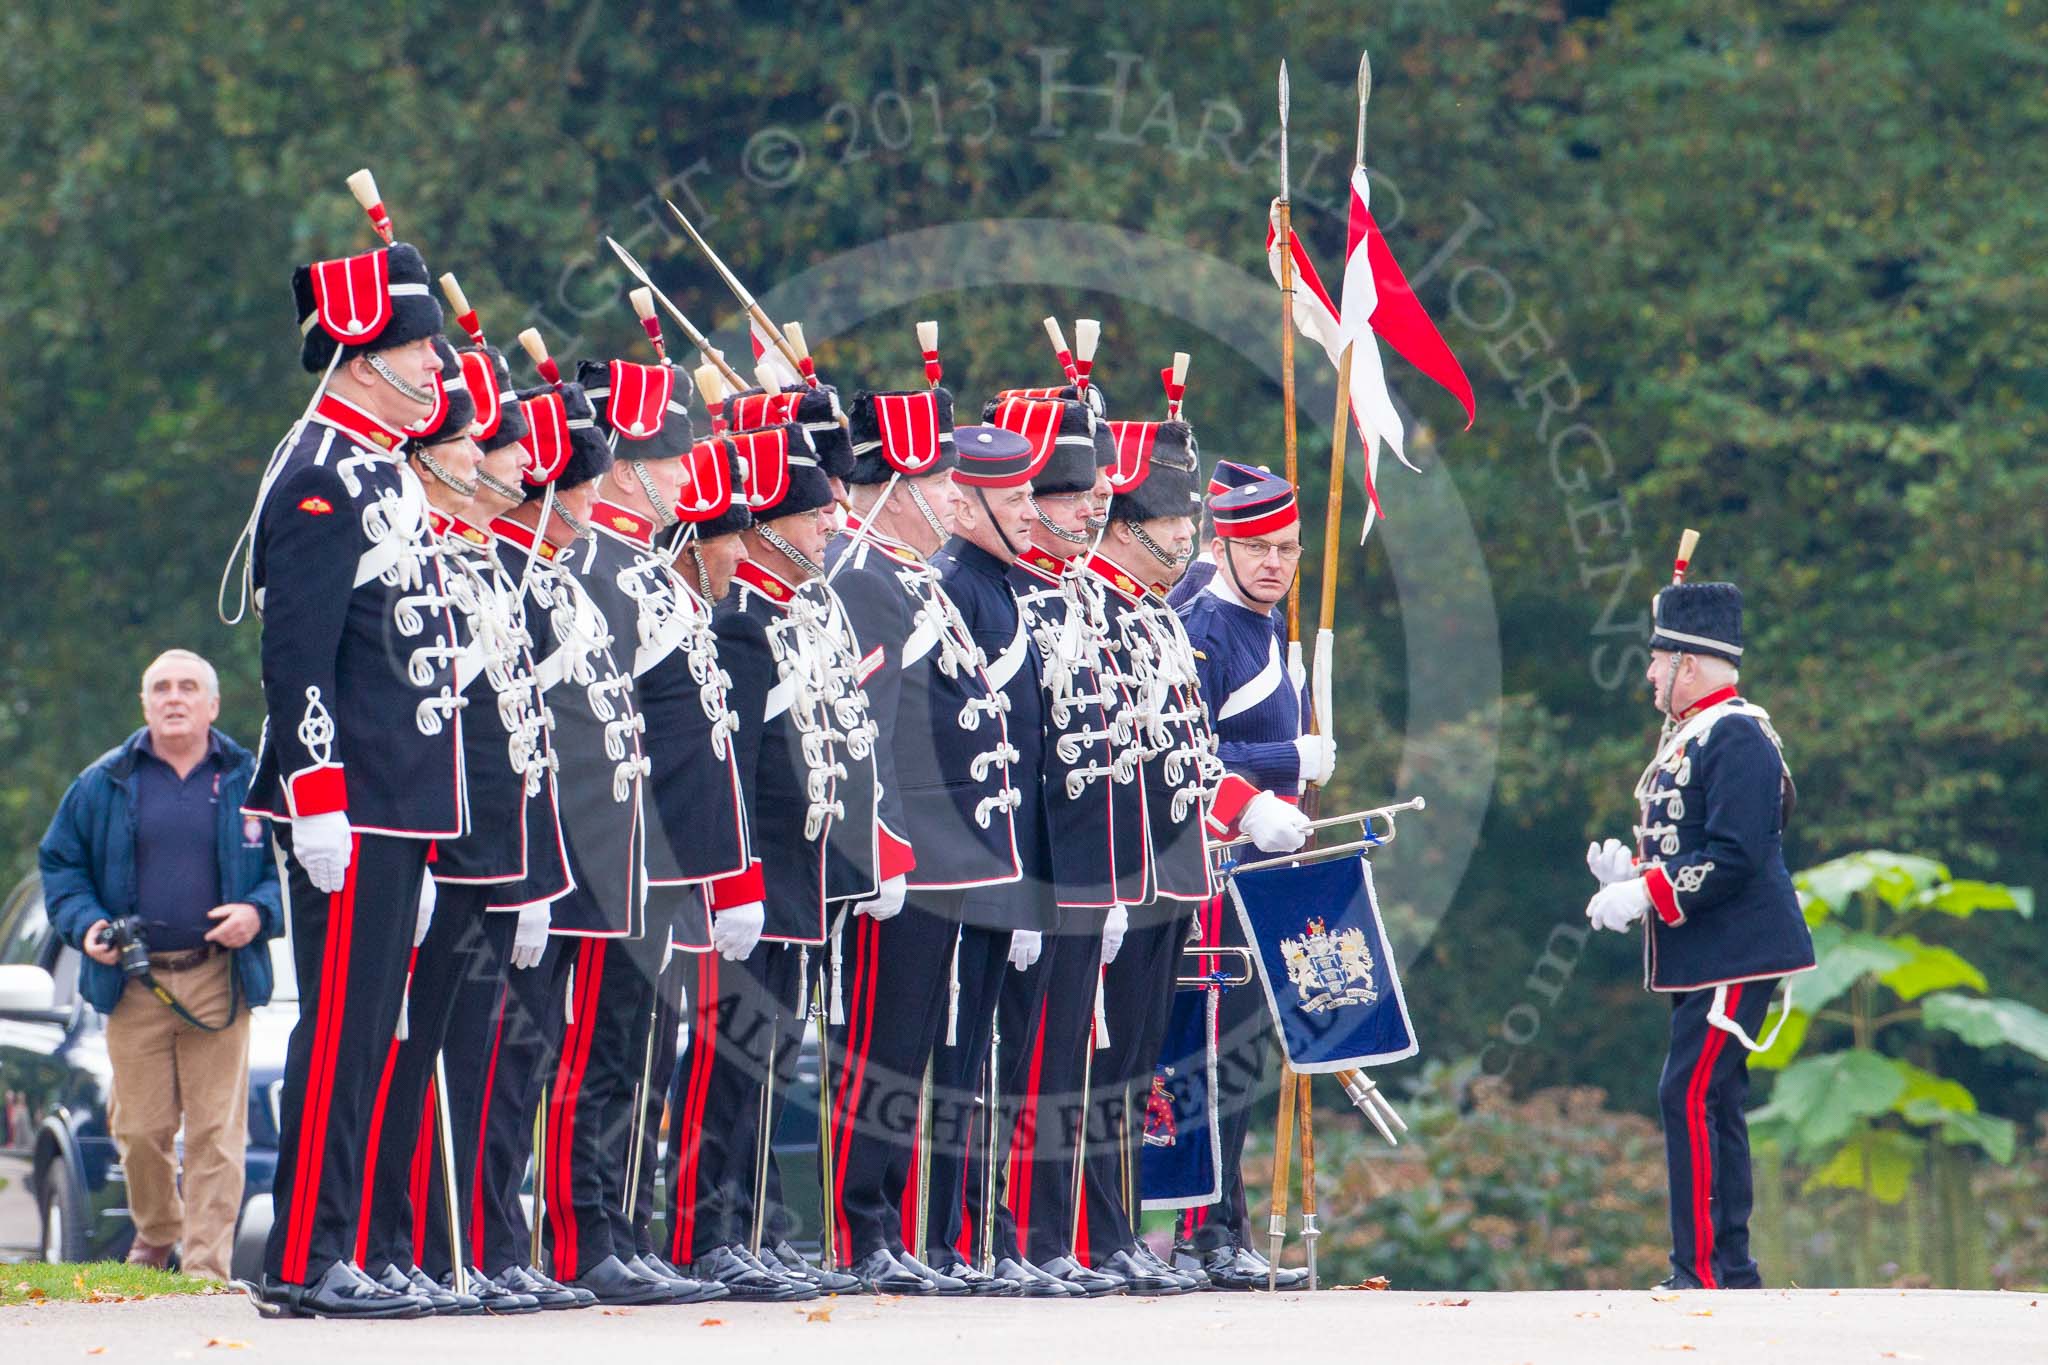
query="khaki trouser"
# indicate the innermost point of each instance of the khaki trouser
(165, 1070)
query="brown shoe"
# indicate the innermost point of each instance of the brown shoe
(142, 1253)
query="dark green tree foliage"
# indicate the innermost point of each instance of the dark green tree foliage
(1781, 261)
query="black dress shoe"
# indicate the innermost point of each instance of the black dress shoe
(1284, 1277)
(1676, 1280)
(941, 1283)
(1221, 1266)
(746, 1280)
(495, 1298)
(1074, 1275)
(446, 1302)
(1138, 1277)
(879, 1272)
(978, 1283)
(688, 1290)
(1033, 1283)
(791, 1262)
(342, 1291)
(1145, 1256)
(613, 1281)
(549, 1294)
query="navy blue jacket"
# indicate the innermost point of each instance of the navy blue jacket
(1711, 843)
(87, 859)
(1253, 706)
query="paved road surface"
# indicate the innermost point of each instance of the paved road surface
(1804, 1326)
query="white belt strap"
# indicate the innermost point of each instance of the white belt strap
(1717, 1015)
(953, 997)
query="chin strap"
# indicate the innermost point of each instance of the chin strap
(503, 490)
(466, 487)
(578, 527)
(664, 515)
(1230, 562)
(1002, 535)
(1071, 537)
(931, 518)
(703, 574)
(789, 551)
(390, 376)
(1154, 548)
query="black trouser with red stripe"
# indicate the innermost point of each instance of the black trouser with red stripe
(501, 1048)
(1706, 1135)
(590, 1103)
(350, 950)
(960, 1081)
(896, 982)
(741, 1015)
(1048, 1074)
(462, 944)
(1137, 1001)
(1244, 1028)
(669, 991)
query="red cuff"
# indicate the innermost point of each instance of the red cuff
(1233, 794)
(741, 888)
(894, 857)
(1662, 896)
(319, 790)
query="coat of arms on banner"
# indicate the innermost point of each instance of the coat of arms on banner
(1330, 971)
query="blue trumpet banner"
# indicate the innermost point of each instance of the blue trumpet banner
(1180, 1165)
(1324, 963)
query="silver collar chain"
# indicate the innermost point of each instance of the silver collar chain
(390, 376)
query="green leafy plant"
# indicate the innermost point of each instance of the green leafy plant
(1863, 1114)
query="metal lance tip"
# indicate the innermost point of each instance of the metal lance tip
(1283, 130)
(1364, 94)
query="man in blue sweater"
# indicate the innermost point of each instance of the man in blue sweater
(152, 834)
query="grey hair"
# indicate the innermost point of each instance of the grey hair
(183, 656)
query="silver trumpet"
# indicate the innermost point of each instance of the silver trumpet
(1373, 838)
(1192, 978)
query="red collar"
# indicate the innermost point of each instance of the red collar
(352, 422)
(882, 540)
(1109, 572)
(1044, 563)
(623, 522)
(1711, 699)
(764, 582)
(467, 533)
(520, 534)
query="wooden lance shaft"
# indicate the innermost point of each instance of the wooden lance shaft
(1283, 1158)
(1309, 1230)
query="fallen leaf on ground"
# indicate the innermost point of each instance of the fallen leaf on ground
(712, 1322)
(228, 1343)
(1665, 1298)
(1678, 1346)
(1376, 1282)
(95, 1350)
(1588, 1314)
(818, 1315)
(1448, 1303)
(1701, 1313)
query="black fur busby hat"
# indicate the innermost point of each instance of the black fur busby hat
(1071, 428)
(563, 438)
(454, 408)
(364, 303)
(782, 475)
(499, 419)
(815, 407)
(641, 409)
(1155, 474)
(907, 432)
(1699, 618)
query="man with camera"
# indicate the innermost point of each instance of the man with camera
(150, 869)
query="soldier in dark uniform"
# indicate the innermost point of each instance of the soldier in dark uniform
(361, 761)
(991, 528)
(696, 833)
(746, 1020)
(1708, 877)
(1184, 790)
(946, 821)
(1046, 1013)
(1256, 711)
(505, 764)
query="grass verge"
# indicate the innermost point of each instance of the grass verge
(97, 1282)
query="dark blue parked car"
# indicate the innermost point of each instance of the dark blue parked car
(62, 1197)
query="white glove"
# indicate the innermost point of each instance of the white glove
(886, 903)
(1318, 757)
(321, 843)
(1610, 862)
(1114, 927)
(422, 920)
(1273, 825)
(530, 939)
(1025, 946)
(735, 930)
(1619, 904)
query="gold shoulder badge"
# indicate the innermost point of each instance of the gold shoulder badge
(626, 524)
(1200, 655)
(474, 536)
(383, 438)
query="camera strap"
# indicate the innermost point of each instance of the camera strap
(163, 993)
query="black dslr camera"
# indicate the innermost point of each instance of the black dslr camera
(127, 935)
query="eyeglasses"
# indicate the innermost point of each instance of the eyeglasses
(1259, 549)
